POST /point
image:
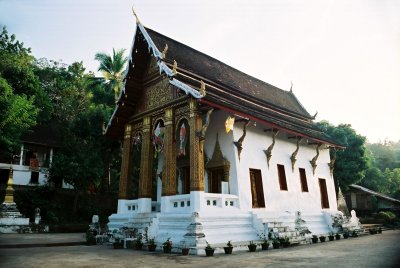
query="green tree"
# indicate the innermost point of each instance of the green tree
(351, 163)
(19, 93)
(385, 155)
(17, 67)
(17, 114)
(112, 68)
(374, 179)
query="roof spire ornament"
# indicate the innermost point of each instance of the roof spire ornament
(175, 67)
(164, 53)
(136, 16)
(202, 88)
(291, 86)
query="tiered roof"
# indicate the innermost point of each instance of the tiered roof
(226, 88)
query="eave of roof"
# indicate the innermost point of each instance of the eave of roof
(366, 190)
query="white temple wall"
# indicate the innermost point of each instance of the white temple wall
(253, 156)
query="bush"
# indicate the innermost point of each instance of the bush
(388, 216)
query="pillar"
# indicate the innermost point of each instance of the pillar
(124, 181)
(146, 162)
(51, 156)
(21, 157)
(169, 165)
(196, 149)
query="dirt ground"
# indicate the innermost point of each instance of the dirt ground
(381, 250)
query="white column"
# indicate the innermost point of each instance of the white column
(21, 155)
(51, 156)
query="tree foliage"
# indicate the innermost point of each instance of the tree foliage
(62, 98)
(17, 67)
(17, 113)
(374, 166)
(351, 163)
(383, 174)
(112, 68)
(18, 96)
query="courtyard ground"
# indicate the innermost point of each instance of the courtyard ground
(381, 250)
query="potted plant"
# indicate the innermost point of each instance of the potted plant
(209, 250)
(265, 243)
(118, 243)
(322, 238)
(337, 236)
(151, 245)
(354, 234)
(286, 242)
(167, 245)
(138, 243)
(346, 234)
(118, 239)
(90, 237)
(228, 249)
(275, 243)
(185, 250)
(252, 246)
(314, 239)
(331, 236)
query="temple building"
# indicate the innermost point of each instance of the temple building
(211, 153)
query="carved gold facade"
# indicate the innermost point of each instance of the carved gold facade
(124, 182)
(196, 153)
(146, 164)
(169, 166)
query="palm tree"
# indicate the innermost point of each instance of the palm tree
(112, 68)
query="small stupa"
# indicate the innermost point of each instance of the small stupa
(11, 220)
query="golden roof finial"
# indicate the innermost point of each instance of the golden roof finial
(164, 53)
(202, 88)
(136, 16)
(175, 67)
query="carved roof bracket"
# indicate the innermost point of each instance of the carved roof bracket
(332, 162)
(293, 158)
(239, 143)
(313, 162)
(202, 133)
(268, 152)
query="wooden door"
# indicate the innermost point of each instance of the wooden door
(257, 190)
(215, 180)
(324, 193)
(185, 180)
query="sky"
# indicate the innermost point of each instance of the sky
(342, 56)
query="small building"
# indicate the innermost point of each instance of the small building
(30, 164)
(207, 145)
(366, 202)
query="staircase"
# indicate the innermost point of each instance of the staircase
(283, 225)
(139, 221)
(236, 227)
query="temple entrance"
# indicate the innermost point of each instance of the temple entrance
(324, 193)
(215, 178)
(218, 172)
(257, 190)
(185, 177)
